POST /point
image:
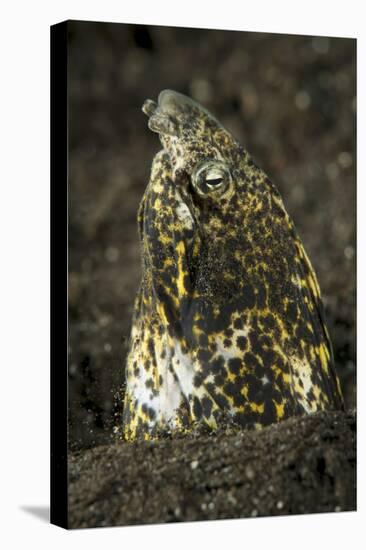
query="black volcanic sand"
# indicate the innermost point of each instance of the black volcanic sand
(221, 476)
(291, 101)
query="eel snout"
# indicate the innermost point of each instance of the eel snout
(164, 115)
(172, 110)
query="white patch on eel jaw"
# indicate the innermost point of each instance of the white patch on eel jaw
(184, 215)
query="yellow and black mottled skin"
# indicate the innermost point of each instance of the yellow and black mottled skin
(228, 323)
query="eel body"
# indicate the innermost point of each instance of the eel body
(228, 322)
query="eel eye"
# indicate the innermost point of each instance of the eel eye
(211, 177)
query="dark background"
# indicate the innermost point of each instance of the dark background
(290, 100)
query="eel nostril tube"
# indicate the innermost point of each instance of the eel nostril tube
(149, 107)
